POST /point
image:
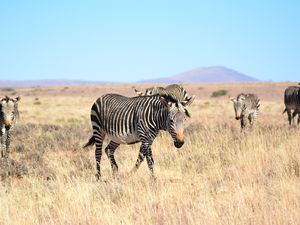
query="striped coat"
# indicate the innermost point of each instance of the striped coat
(292, 103)
(126, 120)
(246, 108)
(9, 115)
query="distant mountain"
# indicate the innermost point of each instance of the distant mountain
(51, 82)
(202, 74)
(206, 75)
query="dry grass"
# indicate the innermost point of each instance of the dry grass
(220, 176)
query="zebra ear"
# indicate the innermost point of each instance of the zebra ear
(188, 101)
(232, 99)
(17, 99)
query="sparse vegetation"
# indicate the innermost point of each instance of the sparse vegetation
(220, 176)
(37, 102)
(219, 93)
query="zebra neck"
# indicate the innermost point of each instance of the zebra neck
(161, 119)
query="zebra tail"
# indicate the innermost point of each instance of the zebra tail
(90, 142)
(284, 111)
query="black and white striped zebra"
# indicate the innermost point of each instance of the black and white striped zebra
(175, 90)
(292, 103)
(9, 115)
(131, 120)
(246, 107)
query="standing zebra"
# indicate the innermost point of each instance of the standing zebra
(292, 102)
(246, 107)
(175, 90)
(131, 120)
(9, 115)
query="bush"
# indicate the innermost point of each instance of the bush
(37, 102)
(7, 89)
(219, 93)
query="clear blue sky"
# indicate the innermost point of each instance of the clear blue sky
(134, 40)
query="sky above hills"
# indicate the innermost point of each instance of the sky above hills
(124, 41)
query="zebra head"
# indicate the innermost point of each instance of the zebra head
(177, 114)
(238, 105)
(9, 111)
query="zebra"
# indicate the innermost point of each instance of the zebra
(246, 106)
(175, 90)
(9, 115)
(292, 102)
(130, 120)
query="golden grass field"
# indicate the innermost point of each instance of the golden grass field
(220, 176)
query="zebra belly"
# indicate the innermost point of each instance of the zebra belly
(124, 139)
(292, 106)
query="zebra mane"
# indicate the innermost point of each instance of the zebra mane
(169, 98)
(241, 94)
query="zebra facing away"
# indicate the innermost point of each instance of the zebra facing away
(292, 102)
(175, 90)
(246, 107)
(9, 115)
(131, 120)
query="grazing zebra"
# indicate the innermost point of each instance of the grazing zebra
(174, 90)
(131, 120)
(246, 107)
(292, 102)
(9, 115)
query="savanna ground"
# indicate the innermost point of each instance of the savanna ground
(220, 175)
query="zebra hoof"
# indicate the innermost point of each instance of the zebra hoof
(98, 177)
(133, 170)
(153, 178)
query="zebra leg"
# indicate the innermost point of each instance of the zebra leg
(98, 152)
(7, 144)
(150, 160)
(250, 118)
(243, 122)
(293, 116)
(289, 116)
(3, 142)
(110, 150)
(140, 158)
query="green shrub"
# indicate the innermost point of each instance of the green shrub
(219, 93)
(7, 89)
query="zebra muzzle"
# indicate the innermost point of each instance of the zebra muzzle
(179, 141)
(178, 144)
(7, 122)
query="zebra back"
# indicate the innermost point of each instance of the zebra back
(117, 115)
(174, 90)
(250, 101)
